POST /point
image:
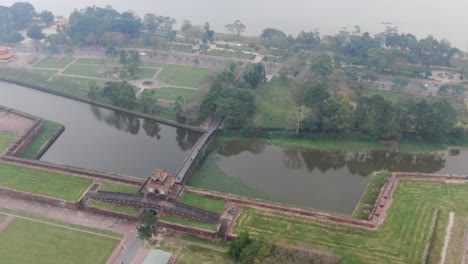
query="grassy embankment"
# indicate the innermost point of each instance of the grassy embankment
(114, 208)
(43, 182)
(204, 202)
(6, 138)
(50, 128)
(402, 238)
(188, 222)
(26, 241)
(370, 195)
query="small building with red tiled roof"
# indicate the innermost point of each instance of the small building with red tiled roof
(160, 183)
(6, 54)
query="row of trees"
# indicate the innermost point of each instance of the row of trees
(319, 107)
(20, 16)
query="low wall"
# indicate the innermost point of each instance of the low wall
(49, 143)
(21, 143)
(107, 213)
(37, 198)
(76, 171)
(189, 230)
(104, 105)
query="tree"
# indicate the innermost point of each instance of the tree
(148, 225)
(238, 245)
(148, 100)
(47, 17)
(254, 74)
(337, 114)
(237, 105)
(300, 114)
(22, 14)
(35, 33)
(272, 37)
(399, 82)
(209, 33)
(322, 65)
(120, 93)
(151, 23)
(236, 28)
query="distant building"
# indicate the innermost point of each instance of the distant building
(6, 54)
(160, 183)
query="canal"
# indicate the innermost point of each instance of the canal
(101, 139)
(112, 141)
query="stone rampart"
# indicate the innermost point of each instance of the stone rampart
(49, 143)
(188, 230)
(38, 198)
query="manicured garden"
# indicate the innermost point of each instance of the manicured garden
(402, 238)
(53, 63)
(25, 241)
(43, 182)
(169, 93)
(204, 202)
(180, 75)
(6, 138)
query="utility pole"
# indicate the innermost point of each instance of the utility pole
(63, 205)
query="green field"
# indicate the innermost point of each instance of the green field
(52, 63)
(117, 187)
(96, 71)
(43, 182)
(97, 61)
(49, 130)
(180, 75)
(76, 82)
(64, 224)
(114, 208)
(188, 222)
(204, 202)
(6, 138)
(274, 108)
(41, 74)
(402, 238)
(168, 93)
(25, 241)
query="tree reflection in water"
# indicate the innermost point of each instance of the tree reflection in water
(360, 163)
(119, 120)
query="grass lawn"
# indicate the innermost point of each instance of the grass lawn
(274, 109)
(25, 241)
(369, 197)
(169, 93)
(204, 202)
(52, 221)
(146, 73)
(52, 63)
(114, 208)
(49, 130)
(180, 75)
(117, 187)
(188, 222)
(43, 182)
(96, 71)
(6, 138)
(76, 82)
(402, 238)
(96, 61)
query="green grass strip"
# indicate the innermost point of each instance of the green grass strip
(50, 128)
(43, 182)
(25, 241)
(57, 222)
(114, 208)
(6, 138)
(188, 222)
(370, 195)
(204, 202)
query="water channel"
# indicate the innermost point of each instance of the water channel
(100, 139)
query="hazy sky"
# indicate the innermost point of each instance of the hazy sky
(442, 18)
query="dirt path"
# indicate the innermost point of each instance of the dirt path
(61, 70)
(6, 222)
(447, 237)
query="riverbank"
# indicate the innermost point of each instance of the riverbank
(44, 86)
(348, 142)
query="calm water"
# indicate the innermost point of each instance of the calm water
(331, 181)
(101, 139)
(443, 19)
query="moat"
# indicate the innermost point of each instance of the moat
(111, 141)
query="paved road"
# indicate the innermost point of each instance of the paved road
(131, 250)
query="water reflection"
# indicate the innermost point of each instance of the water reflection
(119, 120)
(360, 163)
(186, 139)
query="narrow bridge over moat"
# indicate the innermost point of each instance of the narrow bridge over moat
(216, 121)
